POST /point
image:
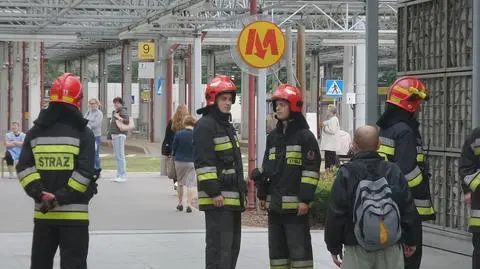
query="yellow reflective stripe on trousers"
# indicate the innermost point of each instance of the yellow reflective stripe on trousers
(310, 177)
(302, 264)
(475, 217)
(28, 175)
(424, 207)
(473, 180)
(230, 198)
(61, 215)
(279, 264)
(414, 177)
(206, 173)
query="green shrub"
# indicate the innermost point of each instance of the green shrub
(322, 197)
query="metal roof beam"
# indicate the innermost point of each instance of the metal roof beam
(27, 37)
(89, 6)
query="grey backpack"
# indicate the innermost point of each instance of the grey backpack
(376, 216)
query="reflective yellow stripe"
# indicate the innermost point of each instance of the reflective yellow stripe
(226, 201)
(475, 221)
(425, 210)
(224, 146)
(271, 156)
(475, 182)
(416, 181)
(28, 179)
(56, 149)
(476, 151)
(420, 157)
(62, 215)
(383, 155)
(207, 176)
(294, 154)
(386, 149)
(289, 205)
(310, 180)
(76, 185)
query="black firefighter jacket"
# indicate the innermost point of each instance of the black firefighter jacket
(401, 143)
(218, 161)
(291, 167)
(339, 228)
(58, 157)
(469, 170)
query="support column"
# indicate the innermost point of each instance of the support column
(126, 59)
(182, 90)
(103, 87)
(347, 116)
(102, 80)
(244, 120)
(197, 88)
(4, 65)
(312, 102)
(210, 66)
(261, 115)
(359, 63)
(17, 84)
(68, 66)
(34, 75)
(476, 66)
(159, 97)
(84, 80)
(189, 79)
(301, 63)
(371, 66)
(289, 56)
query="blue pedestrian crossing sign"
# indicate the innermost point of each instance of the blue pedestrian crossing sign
(334, 88)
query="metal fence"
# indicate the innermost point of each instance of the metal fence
(435, 44)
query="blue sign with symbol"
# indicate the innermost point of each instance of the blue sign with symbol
(334, 88)
(158, 84)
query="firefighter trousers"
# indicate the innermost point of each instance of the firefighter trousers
(476, 250)
(73, 243)
(289, 241)
(414, 261)
(223, 237)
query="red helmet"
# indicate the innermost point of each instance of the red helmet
(290, 94)
(67, 88)
(219, 84)
(407, 93)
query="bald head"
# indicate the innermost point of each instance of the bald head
(366, 138)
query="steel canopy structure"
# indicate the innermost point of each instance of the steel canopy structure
(75, 28)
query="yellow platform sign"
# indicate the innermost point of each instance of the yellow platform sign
(261, 44)
(146, 50)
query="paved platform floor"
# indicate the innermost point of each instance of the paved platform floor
(135, 226)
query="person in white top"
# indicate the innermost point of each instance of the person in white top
(330, 128)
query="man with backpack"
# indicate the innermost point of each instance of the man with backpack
(371, 211)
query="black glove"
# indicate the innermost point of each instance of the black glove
(48, 205)
(257, 175)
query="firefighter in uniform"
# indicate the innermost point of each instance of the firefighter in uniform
(287, 181)
(469, 169)
(56, 169)
(401, 143)
(218, 164)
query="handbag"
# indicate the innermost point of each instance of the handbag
(171, 168)
(125, 127)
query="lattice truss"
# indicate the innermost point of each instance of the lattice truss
(328, 23)
(90, 24)
(96, 24)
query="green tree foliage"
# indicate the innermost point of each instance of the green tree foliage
(53, 69)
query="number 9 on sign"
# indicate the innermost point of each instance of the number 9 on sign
(146, 51)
